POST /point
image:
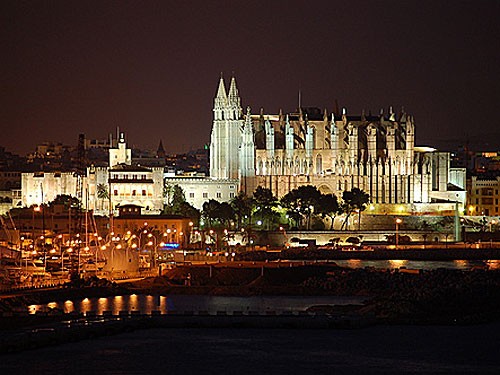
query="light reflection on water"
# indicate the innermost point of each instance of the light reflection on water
(147, 303)
(493, 264)
(115, 304)
(420, 264)
(397, 263)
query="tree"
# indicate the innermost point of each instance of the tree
(225, 214)
(302, 202)
(210, 211)
(102, 193)
(167, 193)
(265, 203)
(178, 197)
(67, 201)
(187, 210)
(355, 199)
(175, 200)
(218, 215)
(242, 206)
(177, 205)
(329, 207)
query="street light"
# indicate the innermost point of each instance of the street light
(153, 252)
(398, 221)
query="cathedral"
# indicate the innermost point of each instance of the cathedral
(333, 151)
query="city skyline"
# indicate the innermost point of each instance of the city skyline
(152, 69)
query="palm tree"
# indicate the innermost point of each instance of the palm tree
(102, 193)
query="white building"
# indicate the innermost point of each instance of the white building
(118, 185)
(123, 183)
(120, 155)
(44, 187)
(334, 152)
(127, 184)
(198, 190)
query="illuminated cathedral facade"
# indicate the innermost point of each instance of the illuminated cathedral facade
(333, 151)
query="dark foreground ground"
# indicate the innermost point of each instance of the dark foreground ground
(374, 350)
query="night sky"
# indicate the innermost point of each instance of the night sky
(152, 68)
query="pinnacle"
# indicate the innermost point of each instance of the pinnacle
(233, 90)
(221, 91)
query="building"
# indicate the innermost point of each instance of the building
(198, 190)
(333, 151)
(120, 184)
(169, 228)
(483, 196)
(52, 150)
(10, 180)
(44, 187)
(123, 183)
(121, 154)
(53, 220)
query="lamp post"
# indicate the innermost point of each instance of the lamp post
(398, 221)
(35, 209)
(153, 251)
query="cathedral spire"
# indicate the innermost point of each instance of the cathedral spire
(233, 101)
(233, 90)
(220, 101)
(221, 97)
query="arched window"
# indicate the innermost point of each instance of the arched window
(319, 165)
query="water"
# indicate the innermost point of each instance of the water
(147, 303)
(374, 350)
(420, 264)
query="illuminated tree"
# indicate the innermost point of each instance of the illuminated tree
(329, 207)
(302, 203)
(354, 200)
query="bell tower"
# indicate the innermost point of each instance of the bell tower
(226, 132)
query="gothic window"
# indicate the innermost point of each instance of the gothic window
(319, 165)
